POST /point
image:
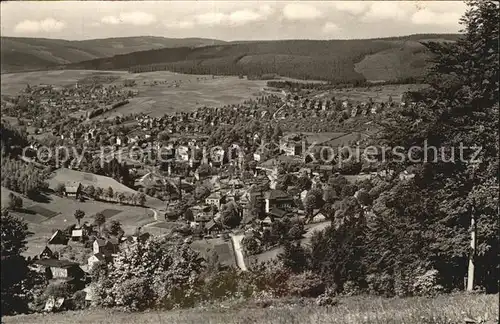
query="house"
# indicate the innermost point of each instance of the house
(277, 198)
(59, 269)
(291, 144)
(56, 304)
(217, 157)
(89, 294)
(212, 227)
(182, 153)
(95, 258)
(121, 140)
(73, 189)
(58, 238)
(106, 247)
(354, 112)
(215, 199)
(77, 234)
(318, 216)
(277, 213)
(46, 254)
(267, 221)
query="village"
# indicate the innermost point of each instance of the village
(259, 190)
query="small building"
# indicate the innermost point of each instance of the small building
(318, 216)
(212, 227)
(105, 247)
(215, 199)
(277, 198)
(73, 189)
(77, 235)
(59, 269)
(46, 254)
(58, 238)
(291, 144)
(95, 258)
(354, 111)
(277, 213)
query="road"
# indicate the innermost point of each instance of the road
(279, 109)
(155, 213)
(238, 251)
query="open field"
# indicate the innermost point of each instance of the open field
(12, 83)
(193, 90)
(445, 309)
(63, 210)
(376, 93)
(64, 175)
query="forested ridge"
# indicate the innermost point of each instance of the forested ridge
(330, 60)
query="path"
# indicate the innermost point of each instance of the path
(238, 251)
(155, 213)
(279, 109)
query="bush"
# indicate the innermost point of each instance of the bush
(78, 300)
(134, 294)
(306, 284)
(251, 246)
(351, 288)
(427, 283)
(380, 284)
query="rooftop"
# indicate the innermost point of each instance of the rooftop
(277, 194)
(58, 263)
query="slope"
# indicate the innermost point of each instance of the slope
(332, 60)
(21, 54)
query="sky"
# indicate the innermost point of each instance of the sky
(229, 20)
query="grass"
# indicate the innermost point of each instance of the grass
(36, 214)
(108, 213)
(42, 211)
(223, 249)
(350, 310)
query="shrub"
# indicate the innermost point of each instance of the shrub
(306, 284)
(134, 294)
(380, 284)
(427, 283)
(78, 300)
(351, 288)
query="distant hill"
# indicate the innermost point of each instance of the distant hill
(24, 54)
(392, 58)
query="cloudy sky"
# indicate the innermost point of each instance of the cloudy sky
(229, 20)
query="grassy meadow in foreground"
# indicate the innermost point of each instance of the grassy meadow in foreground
(418, 310)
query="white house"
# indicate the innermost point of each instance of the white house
(95, 258)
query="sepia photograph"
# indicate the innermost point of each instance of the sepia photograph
(237, 162)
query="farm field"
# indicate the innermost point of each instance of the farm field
(350, 310)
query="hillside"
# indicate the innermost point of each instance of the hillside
(22, 54)
(332, 60)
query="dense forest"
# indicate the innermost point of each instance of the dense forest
(17, 175)
(332, 60)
